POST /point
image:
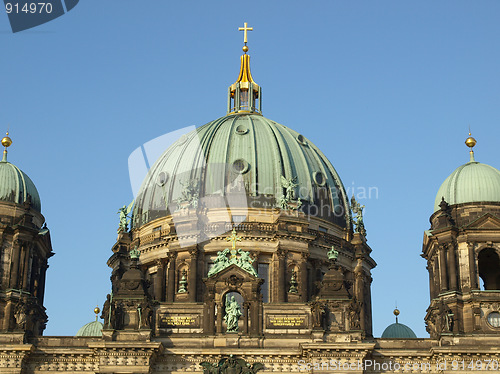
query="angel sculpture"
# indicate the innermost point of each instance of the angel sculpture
(357, 209)
(124, 217)
(289, 186)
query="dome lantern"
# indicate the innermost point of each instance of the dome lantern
(244, 95)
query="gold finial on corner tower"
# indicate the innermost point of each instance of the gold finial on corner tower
(97, 311)
(396, 313)
(6, 142)
(244, 95)
(471, 142)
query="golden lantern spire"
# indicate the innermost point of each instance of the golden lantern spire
(471, 142)
(6, 142)
(244, 94)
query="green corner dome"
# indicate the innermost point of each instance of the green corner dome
(91, 329)
(16, 186)
(471, 182)
(398, 330)
(261, 151)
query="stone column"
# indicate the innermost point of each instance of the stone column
(27, 268)
(209, 316)
(435, 272)
(192, 275)
(7, 315)
(219, 317)
(359, 292)
(41, 285)
(159, 281)
(472, 266)
(452, 266)
(303, 276)
(432, 287)
(16, 249)
(246, 310)
(171, 276)
(281, 291)
(443, 275)
(22, 266)
(254, 318)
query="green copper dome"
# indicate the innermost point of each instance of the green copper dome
(398, 330)
(266, 154)
(91, 329)
(16, 186)
(471, 182)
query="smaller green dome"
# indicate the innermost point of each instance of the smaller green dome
(16, 186)
(398, 330)
(91, 329)
(471, 182)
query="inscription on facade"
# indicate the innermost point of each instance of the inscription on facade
(179, 321)
(280, 321)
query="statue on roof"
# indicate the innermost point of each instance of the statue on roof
(357, 209)
(124, 212)
(287, 200)
(220, 263)
(189, 195)
(244, 261)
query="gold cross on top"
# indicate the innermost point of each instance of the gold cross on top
(233, 239)
(245, 28)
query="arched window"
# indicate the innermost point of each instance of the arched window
(489, 268)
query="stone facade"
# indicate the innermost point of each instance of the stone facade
(325, 326)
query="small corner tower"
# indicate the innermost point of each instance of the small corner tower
(462, 249)
(398, 330)
(25, 248)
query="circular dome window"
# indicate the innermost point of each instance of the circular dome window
(241, 130)
(161, 179)
(182, 139)
(494, 319)
(319, 178)
(240, 166)
(301, 139)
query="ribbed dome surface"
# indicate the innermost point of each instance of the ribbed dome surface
(91, 329)
(16, 186)
(471, 182)
(258, 149)
(398, 330)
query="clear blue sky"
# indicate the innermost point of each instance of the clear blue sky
(387, 89)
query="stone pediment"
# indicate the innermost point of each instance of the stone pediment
(486, 222)
(231, 272)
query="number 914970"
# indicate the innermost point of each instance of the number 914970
(32, 8)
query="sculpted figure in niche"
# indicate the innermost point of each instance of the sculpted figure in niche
(21, 315)
(233, 313)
